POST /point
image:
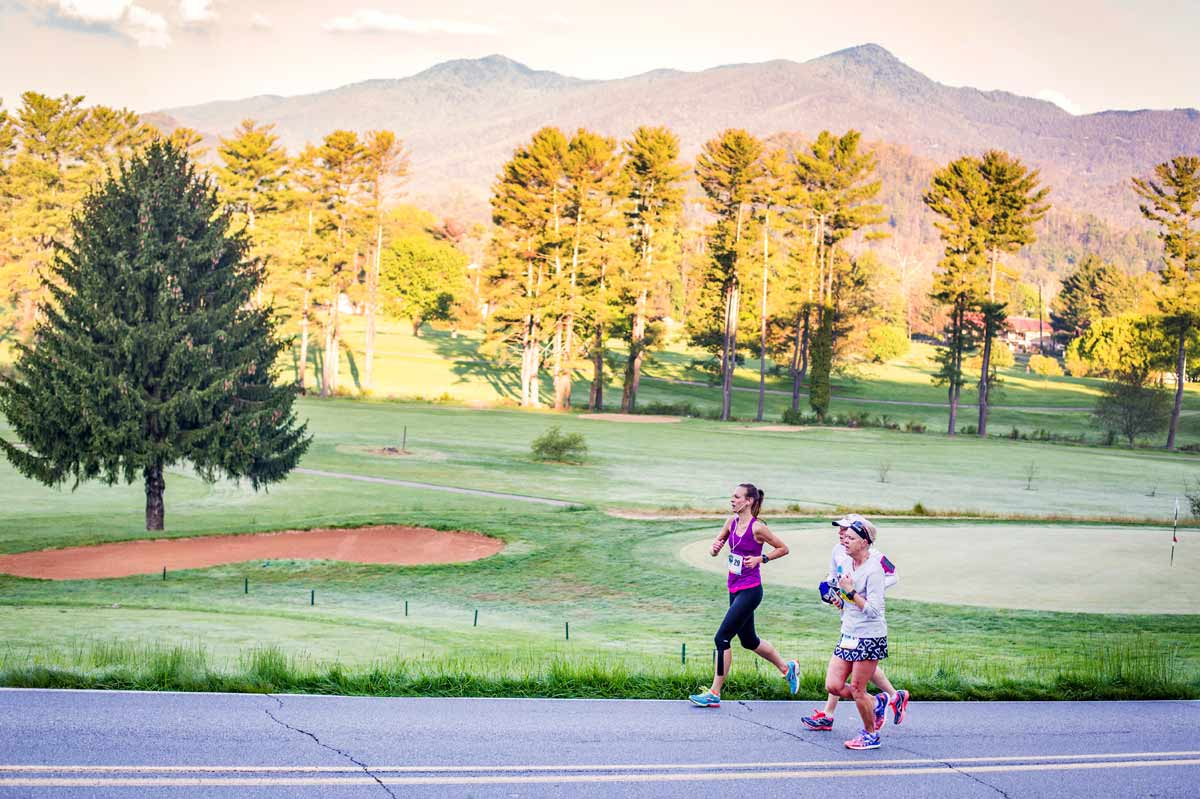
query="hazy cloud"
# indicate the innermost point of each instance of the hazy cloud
(120, 17)
(260, 22)
(369, 20)
(197, 12)
(1060, 100)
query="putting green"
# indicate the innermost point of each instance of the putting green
(1089, 569)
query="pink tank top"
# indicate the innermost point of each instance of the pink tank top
(745, 545)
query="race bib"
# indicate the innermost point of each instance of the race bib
(849, 644)
(735, 564)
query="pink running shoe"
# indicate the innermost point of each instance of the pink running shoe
(899, 706)
(882, 700)
(865, 740)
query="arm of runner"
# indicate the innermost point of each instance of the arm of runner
(870, 599)
(763, 535)
(720, 540)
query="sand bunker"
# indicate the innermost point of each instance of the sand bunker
(643, 418)
(383, 544)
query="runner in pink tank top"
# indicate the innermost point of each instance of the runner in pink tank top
(745, 534)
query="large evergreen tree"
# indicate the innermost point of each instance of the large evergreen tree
(150, 352)
(1172, 199)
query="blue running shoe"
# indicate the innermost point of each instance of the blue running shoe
(793, 676)
(865, 740)
(706, 699)
(882, 700)
(899, 706)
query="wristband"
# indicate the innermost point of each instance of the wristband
(765, 559)
(851, 594)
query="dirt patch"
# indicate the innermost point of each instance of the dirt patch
(390, 452)
(391, 544)
(792, 428)
(643, 418)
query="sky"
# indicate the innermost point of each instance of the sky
(153, 54)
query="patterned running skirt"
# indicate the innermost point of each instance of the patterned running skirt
(855, 649)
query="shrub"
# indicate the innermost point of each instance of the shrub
(1130, 410)
(1192, 492)
(886, 343)
(555, 445)
(914, 427)
(1044, 366)
(1077, 365)
(794, 416)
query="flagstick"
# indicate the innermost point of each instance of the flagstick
(1175, 531)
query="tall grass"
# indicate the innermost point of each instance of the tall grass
(1119, 667)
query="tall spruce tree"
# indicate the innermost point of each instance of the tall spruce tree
(1172, 199)
(150, 353)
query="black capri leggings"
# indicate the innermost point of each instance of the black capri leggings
(739, 621)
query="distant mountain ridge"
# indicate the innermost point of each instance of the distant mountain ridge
(461, 119)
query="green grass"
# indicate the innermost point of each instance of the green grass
(630, 600)
(438, 366)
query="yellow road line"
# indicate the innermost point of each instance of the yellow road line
(145, 782)
(774, 764)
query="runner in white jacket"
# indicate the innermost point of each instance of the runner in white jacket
(839, 563)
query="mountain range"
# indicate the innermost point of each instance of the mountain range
(461, 120)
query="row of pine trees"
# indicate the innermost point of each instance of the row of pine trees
(759, 245)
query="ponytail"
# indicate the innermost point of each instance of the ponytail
(756, 497)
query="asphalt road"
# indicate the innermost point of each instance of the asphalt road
(107, 744)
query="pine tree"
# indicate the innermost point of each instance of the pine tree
(189, 140)
(45, 180)
(958, 194)
(590, 168)
(833, 181)
(1014, 205)
(1173, 201)
(150, 353)
(1092, 290)
(524, 277)
(385, 162)
(819, 388)
(339, 168)
(729, 169)
(771, 194)
(252, 172)
(653, 176)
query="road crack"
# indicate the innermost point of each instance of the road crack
(366, 769)
(945, 763)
